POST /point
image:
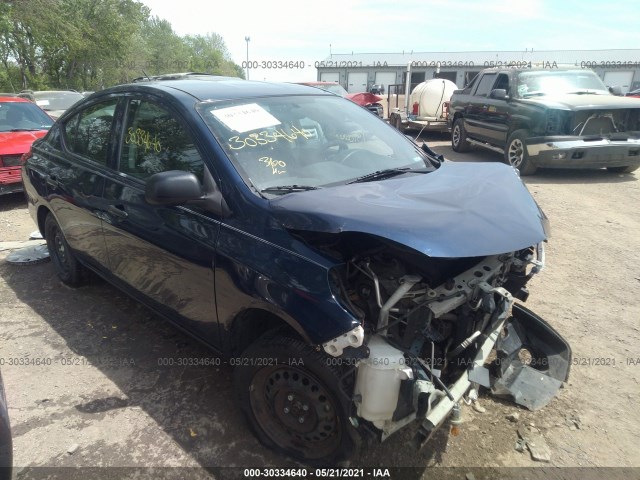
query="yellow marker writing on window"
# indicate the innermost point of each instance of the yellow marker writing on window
(142, 138)
(264, 137)
(275, 165)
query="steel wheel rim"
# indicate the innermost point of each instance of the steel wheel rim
(278, 397)
(60, 251)
(516, 152)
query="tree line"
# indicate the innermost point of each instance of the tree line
(93, 44)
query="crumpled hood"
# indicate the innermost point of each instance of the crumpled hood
(364, 99)
(13, 143)
(459, 210)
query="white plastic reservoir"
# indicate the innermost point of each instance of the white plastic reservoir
(378, 381)
(430, 96)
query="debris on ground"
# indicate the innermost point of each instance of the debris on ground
(73, 448)
(536, 444)
(572, 421)
(513, 417)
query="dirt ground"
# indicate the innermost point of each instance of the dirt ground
(100, 396)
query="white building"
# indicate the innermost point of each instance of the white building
(357, 72)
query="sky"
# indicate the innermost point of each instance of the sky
(303, 31)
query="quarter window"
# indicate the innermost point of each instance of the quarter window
(154, 141)
(89, 132)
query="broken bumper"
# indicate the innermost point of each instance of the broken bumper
(583, 152)
(531, 382)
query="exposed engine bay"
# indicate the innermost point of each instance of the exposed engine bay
(433, 329)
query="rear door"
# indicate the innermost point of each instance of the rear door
(73, 161)
(166, 254)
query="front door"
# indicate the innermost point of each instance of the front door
(164, 253)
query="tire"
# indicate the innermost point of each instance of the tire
(290, 396)
(515, 153)
(459, 141)
(396, 122)
(622, 169)
(67, 267)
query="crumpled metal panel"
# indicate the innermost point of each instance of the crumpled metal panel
(459, 210)
(531, 385)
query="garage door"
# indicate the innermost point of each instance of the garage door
(330, 77)
(621, 79)
(357, 82)
(386, 79)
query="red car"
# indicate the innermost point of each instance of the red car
(367, 100)
(21, 122)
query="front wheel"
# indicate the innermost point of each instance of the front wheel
(516, 153)
(290, 395)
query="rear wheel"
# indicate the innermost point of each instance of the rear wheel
(67, 267)
(516, 153)
(622, 169)
(291, 398)
(459, 141)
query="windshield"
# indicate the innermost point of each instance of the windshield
(16, 116)
(550, 82)
(307, 141)
(56, 100)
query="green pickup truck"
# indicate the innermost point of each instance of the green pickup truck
(547, 118)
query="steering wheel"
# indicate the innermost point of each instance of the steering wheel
(342, 145)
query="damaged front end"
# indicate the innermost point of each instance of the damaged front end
(431, 328)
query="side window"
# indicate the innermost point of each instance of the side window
(484, 86)
(155, 141)
(88, 133)
(502, 82)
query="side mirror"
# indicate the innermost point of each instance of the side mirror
(498, 94)
(174, 187)
(177, 187)
(615, 90)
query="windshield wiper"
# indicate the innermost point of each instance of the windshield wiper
(583, 92)
(288, 189)
(387, 173)
(533, 94)
(26, 129)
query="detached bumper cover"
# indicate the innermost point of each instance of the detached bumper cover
(535, 382)
(583, 152)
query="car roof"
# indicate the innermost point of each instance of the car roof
(223, 89)
(317, 83)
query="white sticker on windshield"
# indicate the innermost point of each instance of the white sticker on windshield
(42, 103)
(244, 118)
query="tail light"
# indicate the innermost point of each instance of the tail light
(416, 108)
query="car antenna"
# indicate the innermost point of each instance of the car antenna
(145, 74)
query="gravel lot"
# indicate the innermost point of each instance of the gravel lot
(100, 396)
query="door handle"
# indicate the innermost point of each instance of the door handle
(117, 211)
